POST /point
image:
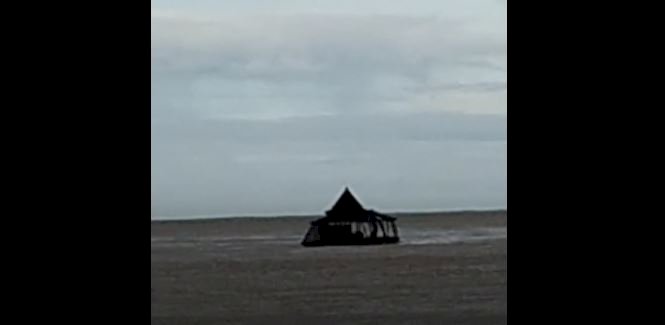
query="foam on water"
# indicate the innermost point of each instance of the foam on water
(419, 237)
(221, 241)
(408, 237)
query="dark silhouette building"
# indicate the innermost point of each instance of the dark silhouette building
(348, 223)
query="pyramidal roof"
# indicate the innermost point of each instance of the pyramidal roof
(346, 203)
(347, 208)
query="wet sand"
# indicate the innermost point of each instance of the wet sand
(449, 269)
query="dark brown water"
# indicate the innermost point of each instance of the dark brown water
(449, 269)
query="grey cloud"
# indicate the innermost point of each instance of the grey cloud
(359, 128)
(324, 63)
(246, 110)
(312, 45)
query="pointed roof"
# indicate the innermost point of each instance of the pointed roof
(347, 203)
(347, 208)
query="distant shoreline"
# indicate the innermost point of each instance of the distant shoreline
(203, 219)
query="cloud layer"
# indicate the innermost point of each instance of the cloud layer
(271, 113)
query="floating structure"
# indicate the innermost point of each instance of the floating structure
(348, 223)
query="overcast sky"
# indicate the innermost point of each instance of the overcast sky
(272, 107)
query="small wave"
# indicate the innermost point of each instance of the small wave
(453, 236)
(408, 237)
(221, 240)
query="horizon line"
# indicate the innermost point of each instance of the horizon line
(305, 215)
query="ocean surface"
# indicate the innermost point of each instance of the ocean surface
(449, 268)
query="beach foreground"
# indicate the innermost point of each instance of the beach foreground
(450, 268)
